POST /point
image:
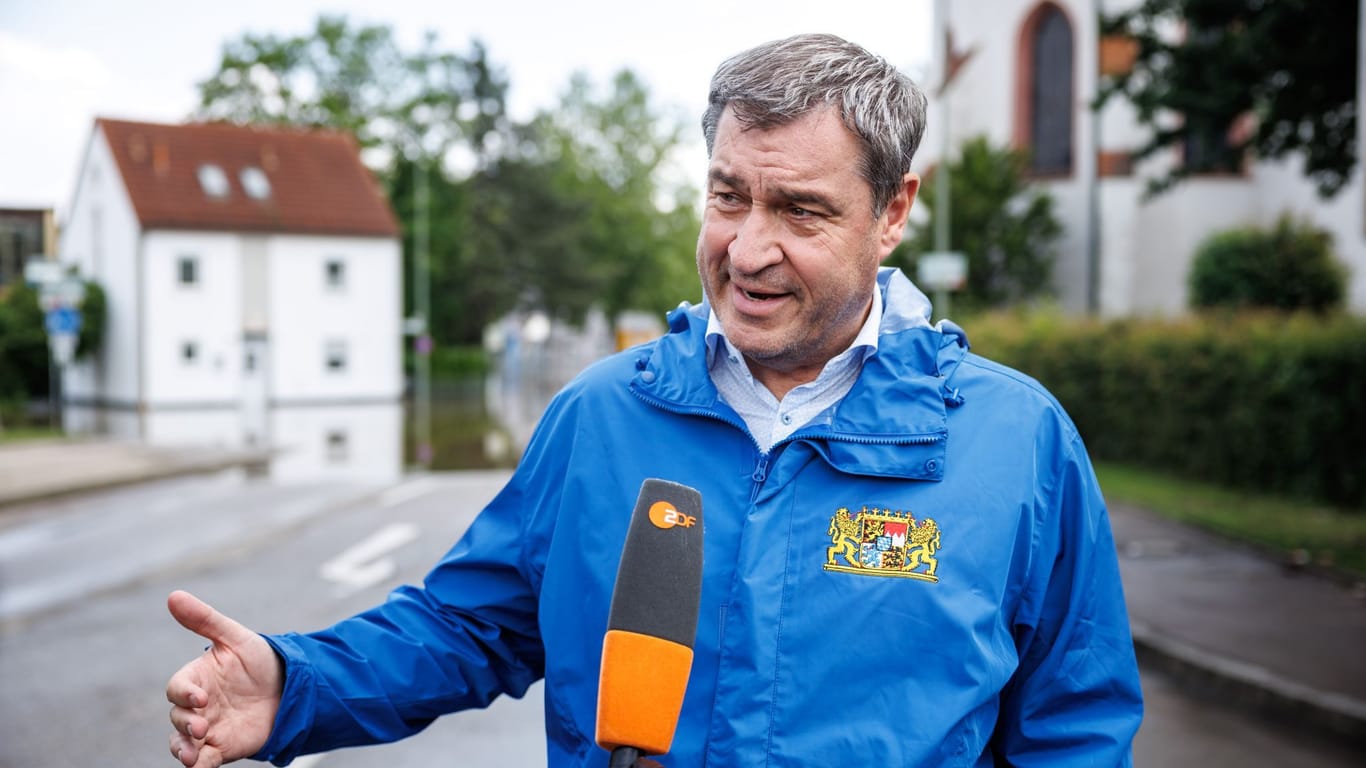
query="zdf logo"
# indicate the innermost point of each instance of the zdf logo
(665, 515)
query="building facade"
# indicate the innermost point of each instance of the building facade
(25, 234)
(253, 283)
(1025, 72)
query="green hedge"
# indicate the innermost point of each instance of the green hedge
(1270, 402)
(451, 362)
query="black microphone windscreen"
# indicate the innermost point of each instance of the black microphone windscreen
(659, 580)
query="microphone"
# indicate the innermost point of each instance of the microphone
(647, 651)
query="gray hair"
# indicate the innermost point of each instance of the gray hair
(781, 81)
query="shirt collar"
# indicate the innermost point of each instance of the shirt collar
(865, 341)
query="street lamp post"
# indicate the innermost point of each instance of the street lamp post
(422, 299)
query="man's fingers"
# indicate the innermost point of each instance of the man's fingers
(182, 691)
(200, 618)
(182, 750)
(191, 756)
(188, 724)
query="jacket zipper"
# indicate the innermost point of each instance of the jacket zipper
(758, 476)
(912, 440)
(708, 412)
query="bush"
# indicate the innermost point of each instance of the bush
(93, 320)
(454, 362)
(24, 354)
(1289, 267)
(1261, 401)
(1005, 225)
(23, 345)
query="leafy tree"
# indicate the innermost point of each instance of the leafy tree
(1005, 227)
(93, 320)
(461, 295)
(597, 223)
(560, 214)
(24, 354)
(1286, 64)
(1288, 267)
(408, 111)
(23, 345)
(356, 79)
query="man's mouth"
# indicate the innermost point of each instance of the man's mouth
(761, 296)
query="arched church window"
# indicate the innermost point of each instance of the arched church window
(1048, 93)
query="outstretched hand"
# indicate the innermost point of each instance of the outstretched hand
(223, 703)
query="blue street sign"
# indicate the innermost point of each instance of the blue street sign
(63, 320)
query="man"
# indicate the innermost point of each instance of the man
(908, 560)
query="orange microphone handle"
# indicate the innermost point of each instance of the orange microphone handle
(641, 691)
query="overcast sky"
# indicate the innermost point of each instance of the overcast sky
(64, 62)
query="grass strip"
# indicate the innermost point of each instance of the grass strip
(1294, 530)
(19, 434)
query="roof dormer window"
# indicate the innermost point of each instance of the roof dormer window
(213, 181)
(256, 184)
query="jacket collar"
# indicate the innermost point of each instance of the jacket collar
(898, 402)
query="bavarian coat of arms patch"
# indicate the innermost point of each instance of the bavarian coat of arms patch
(880, 542)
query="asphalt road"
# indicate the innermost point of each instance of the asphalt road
(86, 644)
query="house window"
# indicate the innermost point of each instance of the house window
(1046, 95)
(334, 356)
(189, 353)
(213, 181)
(338, 446)
(334, 274)
(255, 183)
(187, 270)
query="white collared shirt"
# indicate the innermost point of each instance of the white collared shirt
(770, 420)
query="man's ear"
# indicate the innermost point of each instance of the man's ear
(898, 211)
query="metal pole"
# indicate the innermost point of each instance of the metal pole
(422, 308)
(1093, 194)
(942, 185)
(942, 206)
(52, 379)
(941, 172)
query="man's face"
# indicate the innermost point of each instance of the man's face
(789, 247)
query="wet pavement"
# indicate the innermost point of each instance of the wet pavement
(1240, 629)
(1223, 622)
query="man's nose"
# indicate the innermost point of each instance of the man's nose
(755, 245)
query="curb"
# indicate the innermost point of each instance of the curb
(1229, 682)
(250, 461)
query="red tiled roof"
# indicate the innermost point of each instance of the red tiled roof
(318, 184)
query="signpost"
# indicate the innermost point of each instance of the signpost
(63, 326)
(942, 272)
(60, 293)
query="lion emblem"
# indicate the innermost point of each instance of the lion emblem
(923, 543)
(844, 532)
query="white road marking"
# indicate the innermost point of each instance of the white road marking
(308, 761)
(366, 564)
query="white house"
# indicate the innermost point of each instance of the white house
(1024, 73)
(253, 282)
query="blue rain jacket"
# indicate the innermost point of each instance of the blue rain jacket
(922, 576)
